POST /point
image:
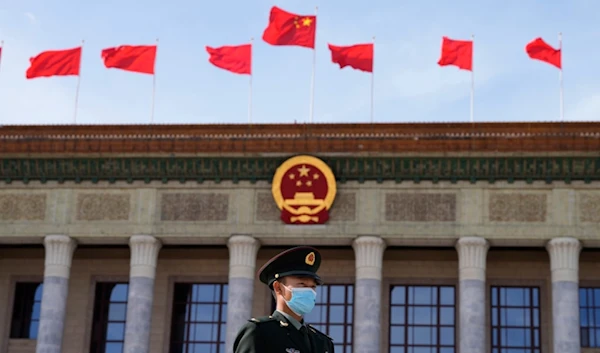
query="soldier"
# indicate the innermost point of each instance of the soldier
(292, 277)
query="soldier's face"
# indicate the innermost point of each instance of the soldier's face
(294, 282)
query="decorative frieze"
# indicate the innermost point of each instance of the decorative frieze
(517, 207)
(194, 207)
(103, 207)
(420, 207)
(589, 208)
(344, 207)
(266, 209)
(22, 207)
(380, 169)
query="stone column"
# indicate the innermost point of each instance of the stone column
(59, 254)
(564, 262)
(144, 255)
(242, 263)
(472, 255)
(368, 251)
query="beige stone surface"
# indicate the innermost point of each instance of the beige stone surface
(22, 207)
(194, 207)
(423, 214)
(266, 209)
(589, 207)
(103, 207)
(420, 207)
(517, 207)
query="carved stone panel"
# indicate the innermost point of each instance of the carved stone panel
(22, 207)
(103, 207)
(194, 207)
(589, 208)
(420, 207)
(517, 207)
(344, 207)
(266, 209)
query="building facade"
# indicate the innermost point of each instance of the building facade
(440, 238)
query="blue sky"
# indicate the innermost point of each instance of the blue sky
(409, 85)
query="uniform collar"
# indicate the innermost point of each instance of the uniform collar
(297, 324)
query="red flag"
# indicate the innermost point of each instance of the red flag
(458, 53)
(237, 59)
(55, 63)
(359, 56)
(287, 28)
(135, 58)
(540, 50)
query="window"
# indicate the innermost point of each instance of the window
(26, 310)
(108, 323)
(589, 316)
(515, 319)
(333, 314)
(199, 318)
(422, 319)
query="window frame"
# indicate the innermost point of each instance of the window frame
(543, 286)
(172, 280)
(93, 298)
(390, 287)
(386, 291)
(12, 300)
(588, 285)
(345, 325)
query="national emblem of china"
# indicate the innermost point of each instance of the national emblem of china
(304, 189)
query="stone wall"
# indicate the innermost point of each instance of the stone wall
(417, 213)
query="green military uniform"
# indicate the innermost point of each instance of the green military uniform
(281, 333)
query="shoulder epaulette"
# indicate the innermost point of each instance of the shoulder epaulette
(262, 319)
(318, 332)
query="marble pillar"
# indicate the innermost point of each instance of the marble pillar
(58, 256)
(242, 263)
(564, 262)
(472, 256)
(144, 255)
(368, 251)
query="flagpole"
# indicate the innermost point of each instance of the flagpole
(154, 86)
(472, 81)
(560, 79)
(373, 85)
(78, 86)
(312, 83)
(250, 86)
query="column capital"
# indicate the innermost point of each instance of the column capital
(59, 250)
(242, 255)
(472, 257)
(368, 252)
(564, 259)
(144, 255)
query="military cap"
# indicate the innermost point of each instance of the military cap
(299, 261)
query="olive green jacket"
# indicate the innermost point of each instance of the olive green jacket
(275, 334)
